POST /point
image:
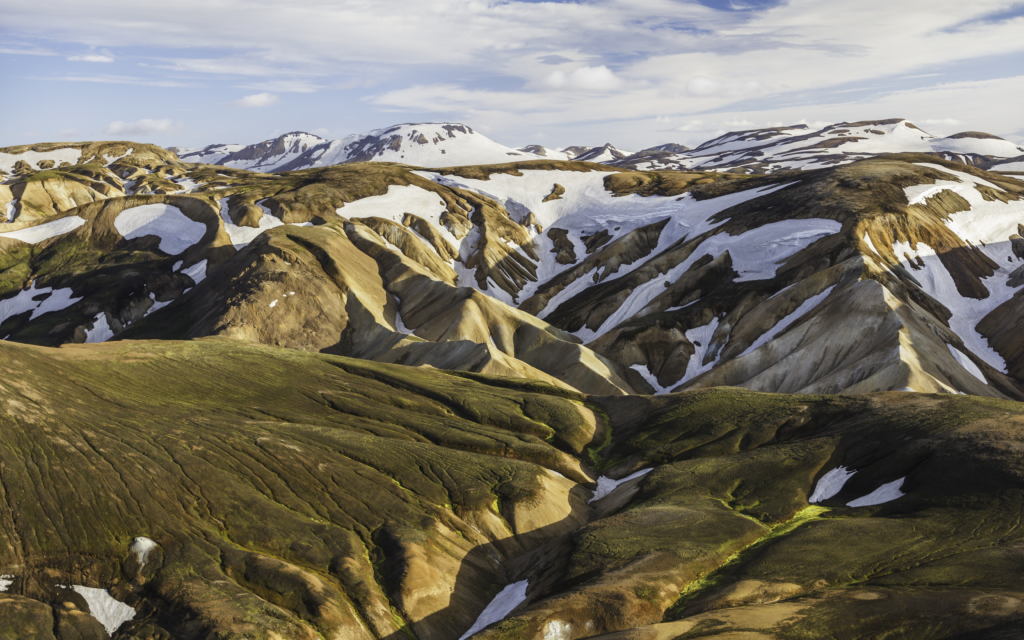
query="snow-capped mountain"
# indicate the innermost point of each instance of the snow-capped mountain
(799, 147)
(423, 145)
(605, 155)
(266, 157)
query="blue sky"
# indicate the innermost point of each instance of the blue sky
(634, 73)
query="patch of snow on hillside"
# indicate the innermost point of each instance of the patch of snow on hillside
(109, 612)
(241, 236)
(22, 302)
(755, 254)
(784, 323)
(650, 378)
(918, 194)
(885, 493)
(966, 312)
(12, 210)
(967, 363)
(177, 232)
(1009, 166)
(503, 604)
(557, 630)
(156, 305)
(701, 338)
(101, 331)
(871, 245)
(987, 226)
(6, 580)
(141, 547)
(830, 484)
(398, 201)
(45, 231)
(606, 485)
(197, 271)
(7, 160)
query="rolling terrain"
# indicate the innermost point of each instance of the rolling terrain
(307, 389)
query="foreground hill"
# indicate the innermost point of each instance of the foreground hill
(901, 272)
(215, 489)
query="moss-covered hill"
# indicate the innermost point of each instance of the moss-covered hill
(299, 495)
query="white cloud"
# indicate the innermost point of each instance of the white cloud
(708, 87)
(587, 79)
(692, 125)
(142, 127)
(94, 57)
(255, 100)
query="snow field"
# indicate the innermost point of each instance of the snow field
(606, 485)
(109, 612)
(885, 493)
(507, 599)
(830, 484)
(967, 363)
(46, 230)
(701, 338)
(755, 256)
(177, 232)
(6, 580)
(12, 210)
(101, 331)
(197, 271)
(7, 160)
(651, 379)
(59, 299)
(987, 226)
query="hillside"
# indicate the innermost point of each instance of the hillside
(538, 399)
(218, 489)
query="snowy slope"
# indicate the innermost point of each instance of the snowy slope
(797, 147)
(267, 156)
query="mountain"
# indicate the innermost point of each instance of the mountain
(606, 154)
(797, 147)
(526, 400)
(544, 152)
(427, 145)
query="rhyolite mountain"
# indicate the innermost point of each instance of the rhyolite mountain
(524, 398)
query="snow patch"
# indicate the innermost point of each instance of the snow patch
(650, 378)
(557, 630)
(701, 338)
(59, 299)
(109, 612)
(12, 210)
(606, 485)
(101, 331)
(885, 493)
(141, 547)
(241, 236)
(177, 232)
(273, 304)
(967, 363)
(197, 271)
(45, 231)
(6, 580)
(8, 160)
(830, 484)
(507, 599)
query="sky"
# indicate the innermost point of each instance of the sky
(634, 73)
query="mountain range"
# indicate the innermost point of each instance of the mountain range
(415, 383)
